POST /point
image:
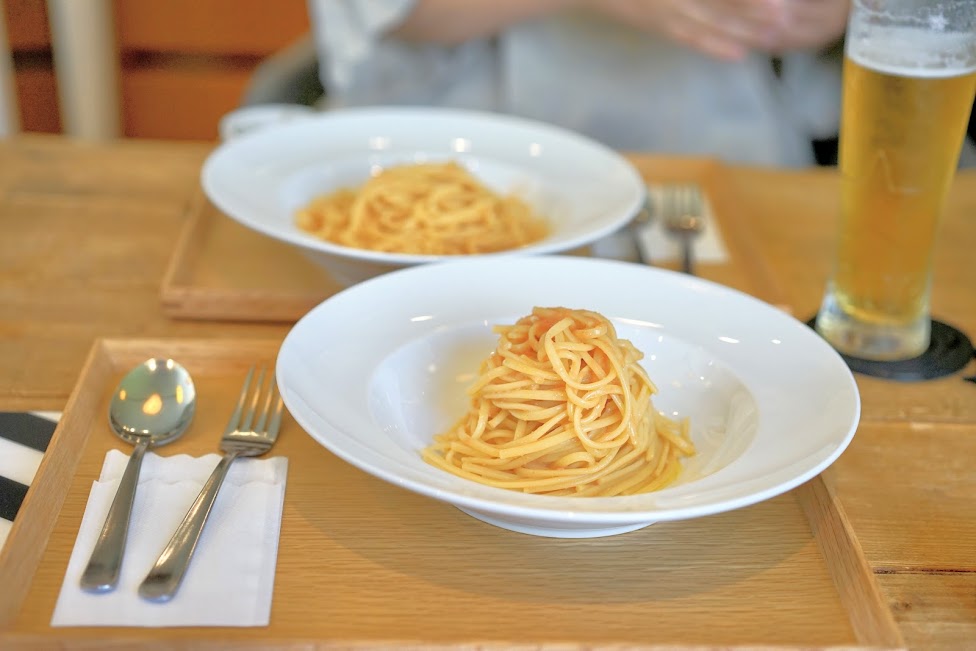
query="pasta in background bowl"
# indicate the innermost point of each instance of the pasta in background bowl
(582, 189)
(377, 371)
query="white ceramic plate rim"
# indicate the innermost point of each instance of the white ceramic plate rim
(709, 495)
(235, 188)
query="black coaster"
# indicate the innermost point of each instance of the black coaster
(949, 351)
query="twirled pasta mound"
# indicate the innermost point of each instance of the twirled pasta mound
(562, 407)
(433, 209)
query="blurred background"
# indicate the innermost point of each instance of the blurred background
(177, 65)
(165, 69)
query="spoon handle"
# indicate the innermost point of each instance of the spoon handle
(102, 572)
(167, 573)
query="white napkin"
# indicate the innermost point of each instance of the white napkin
(231, 577)
(660, 247)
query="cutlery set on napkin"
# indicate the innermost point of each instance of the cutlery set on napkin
(649, 239)
(231, 577)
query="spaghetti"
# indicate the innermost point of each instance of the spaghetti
(433, 209)
(562, 407)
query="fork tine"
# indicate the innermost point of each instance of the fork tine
(275, 423)
(695, 199)
(687, 200)
(234, 421)
(265, 406)
(670, 200)
(680, 199)
(253, 403)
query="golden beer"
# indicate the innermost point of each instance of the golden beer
(902, 129)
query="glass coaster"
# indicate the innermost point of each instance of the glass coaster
(949, 351)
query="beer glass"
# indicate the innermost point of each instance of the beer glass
(908, 86)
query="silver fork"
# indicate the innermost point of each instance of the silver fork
(243, 437)
(682, 207)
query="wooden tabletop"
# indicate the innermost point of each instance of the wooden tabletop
(88, 230)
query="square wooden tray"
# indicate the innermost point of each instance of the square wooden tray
(222, 271)
(363, 563)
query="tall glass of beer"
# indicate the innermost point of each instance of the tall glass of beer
(908, 86)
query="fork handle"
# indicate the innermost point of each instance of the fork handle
(165, 577)
(687, 255)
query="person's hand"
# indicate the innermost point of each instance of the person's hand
(810, 24)
(727, 29)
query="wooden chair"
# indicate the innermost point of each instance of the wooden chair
(9, 115)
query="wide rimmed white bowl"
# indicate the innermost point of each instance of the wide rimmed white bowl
(584, 189)
(376, 371)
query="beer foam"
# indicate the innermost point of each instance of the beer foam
(912, 51)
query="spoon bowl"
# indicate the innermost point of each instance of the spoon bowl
(153, 405)
(156, 400)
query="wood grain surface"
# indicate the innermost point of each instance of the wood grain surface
(212, 273)
(88, 232)
(364, 562)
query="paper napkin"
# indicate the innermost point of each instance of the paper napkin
(231, 577)
(661, 247)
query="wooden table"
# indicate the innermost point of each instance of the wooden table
(88, 229)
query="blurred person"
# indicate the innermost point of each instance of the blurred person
(749, 81)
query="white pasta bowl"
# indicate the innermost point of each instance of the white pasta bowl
(376, 371)
(584, 190)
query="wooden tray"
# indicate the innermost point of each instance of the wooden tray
(363, 563)
(220, 270)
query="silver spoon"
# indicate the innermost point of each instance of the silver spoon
(153, 405)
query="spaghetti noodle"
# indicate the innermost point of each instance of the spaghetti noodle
(434, 209)
(562, 407)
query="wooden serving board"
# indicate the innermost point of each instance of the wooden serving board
(363, 563)
(221, 270)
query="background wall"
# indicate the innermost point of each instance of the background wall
(182, 63)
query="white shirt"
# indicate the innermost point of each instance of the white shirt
(623, 87)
